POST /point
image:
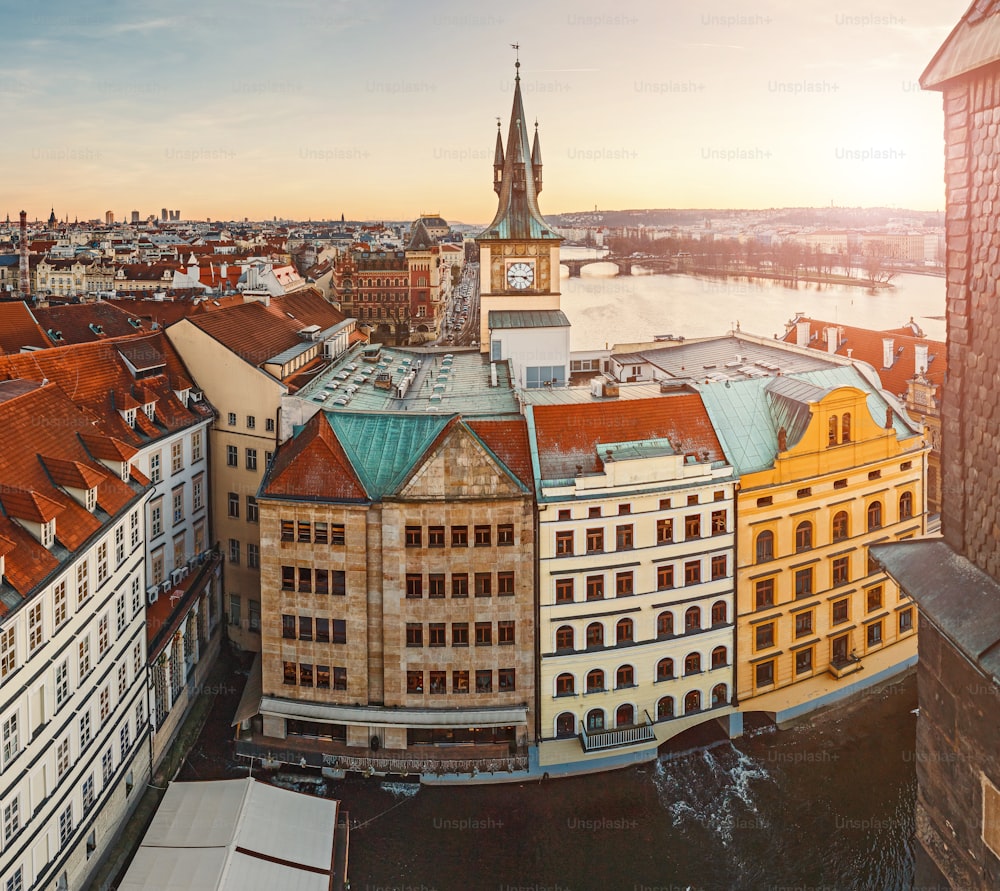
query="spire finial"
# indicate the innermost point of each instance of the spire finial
(517, 60)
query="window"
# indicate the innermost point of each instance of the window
(483, 537)
(839, 612)
(595, 635)
(624, 677)
(719, 522)
(804, 582)
(692, 620)
(803, 624)
(176, 457)
(288, 627)
(873, 633)
(34, 627)
(414, 682)
(288, 530)
(624, 584)
(845, 427)
(460, 584)
(82, 582)
(253, 615)
(8, 652)
(664, 577)
(414, 586)
(83, 656)
(665, 669)
(595, 587)
(436, 634)
(119, 544)
(841, 570)
(906, 505)
(719, 566)
(413, 536)
(234, 550)
(623, 538)
(253, 556)
(665, 708)
(233, 501)
(62, 757)
(338, 535)
(484, 680)
(595, 720)
(565, 685)
(102, 563)
(765, 501)
(16, 880)
(595, 541)
(874, 515)
(232, 419)
(593, 511)
(804, 661)
(58, 605)
(595, 681)
(269, 425)
(253, 512)
(11, 819)
(435, 536)
(720, 613)
(565, 514)
(291, 673)
(764, 636)
(305, 628)
(564, 543)
(107, 766)
(719, 656)
(196, 446)
(459, 634)
(624, 631)
(906, 620)
(765, 546)
(565, 638)
(665, 625)
(303, 532)
(155, 474)
(692, 663)
(460, 537)
(505, 631)
(62, 683)
(232, 456)
(505, 583)
(484, 634)
(841, 526)
(692, 572)
(764, 593)
(460, 682)
(484, 584)
(251, 422)
(803, 536)
(103, 638)
(874, 598)
(435, 585)
(11, 739)
(692, 526)
(506, 680)
(664, 531)
(764, 673)
(439, 682)
(66, 825)
(831, 433)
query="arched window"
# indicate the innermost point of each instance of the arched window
(665, 708)
(874, 515)
(564, 638)
(906, 505)
(565, 685)
(692, 702)
(719, 655)
(595, 681)
(624, 677)
(625, 716)
(692, 619)
(719, 612)
(624, 631)
(692, 663)
(664, 669)
(765, 546)
(595, 720)
(565, 725)
(845, 427)
(831, 437)
(803, 536)
(841, 525)
(720, 695)
(664, 624)
(595, 635)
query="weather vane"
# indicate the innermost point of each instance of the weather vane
(517, 55)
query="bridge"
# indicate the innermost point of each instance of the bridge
(624, 264)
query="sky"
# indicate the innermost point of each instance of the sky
(309, 109)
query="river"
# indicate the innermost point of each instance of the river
(605, 309)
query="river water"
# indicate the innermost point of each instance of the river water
(825, 805)
(605, 309)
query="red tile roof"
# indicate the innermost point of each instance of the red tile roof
(18, 328)
(312, 465)
(508, 440)
(567, 435)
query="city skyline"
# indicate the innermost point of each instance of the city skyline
(309, 111)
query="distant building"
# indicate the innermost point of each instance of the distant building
(109, 218)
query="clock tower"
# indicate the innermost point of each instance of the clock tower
(520, 317)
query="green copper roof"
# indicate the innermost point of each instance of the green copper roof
(526, 318)
(383, 448)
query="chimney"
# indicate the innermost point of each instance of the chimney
(832, 339)
(887, 352)
(920, 359)
(802, 333)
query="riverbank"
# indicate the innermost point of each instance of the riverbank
(786, 278)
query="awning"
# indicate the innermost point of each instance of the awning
(252, 693)
(378, 716)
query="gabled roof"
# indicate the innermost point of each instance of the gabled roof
(18, 328)
(72, 474)
(507, 439)
(74, 321)
(973, 43)
(567, 435)
(313, 466)
(420, 238)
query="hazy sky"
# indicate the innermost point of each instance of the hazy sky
(380, 109)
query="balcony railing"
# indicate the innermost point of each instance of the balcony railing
(846, 666)
(417, 766)
(632, 735)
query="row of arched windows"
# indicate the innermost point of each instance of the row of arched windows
(839, 429)
(625, 714)
(840, 528)
(625, 675)
(625, 628)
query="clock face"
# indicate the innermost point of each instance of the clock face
(520, 275)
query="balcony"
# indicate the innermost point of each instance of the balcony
(634, 734)
(844, 667)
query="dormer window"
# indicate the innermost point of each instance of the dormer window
(47, 533)
(126, 470)
(130, 417)
(149, 408)
(91, 501)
